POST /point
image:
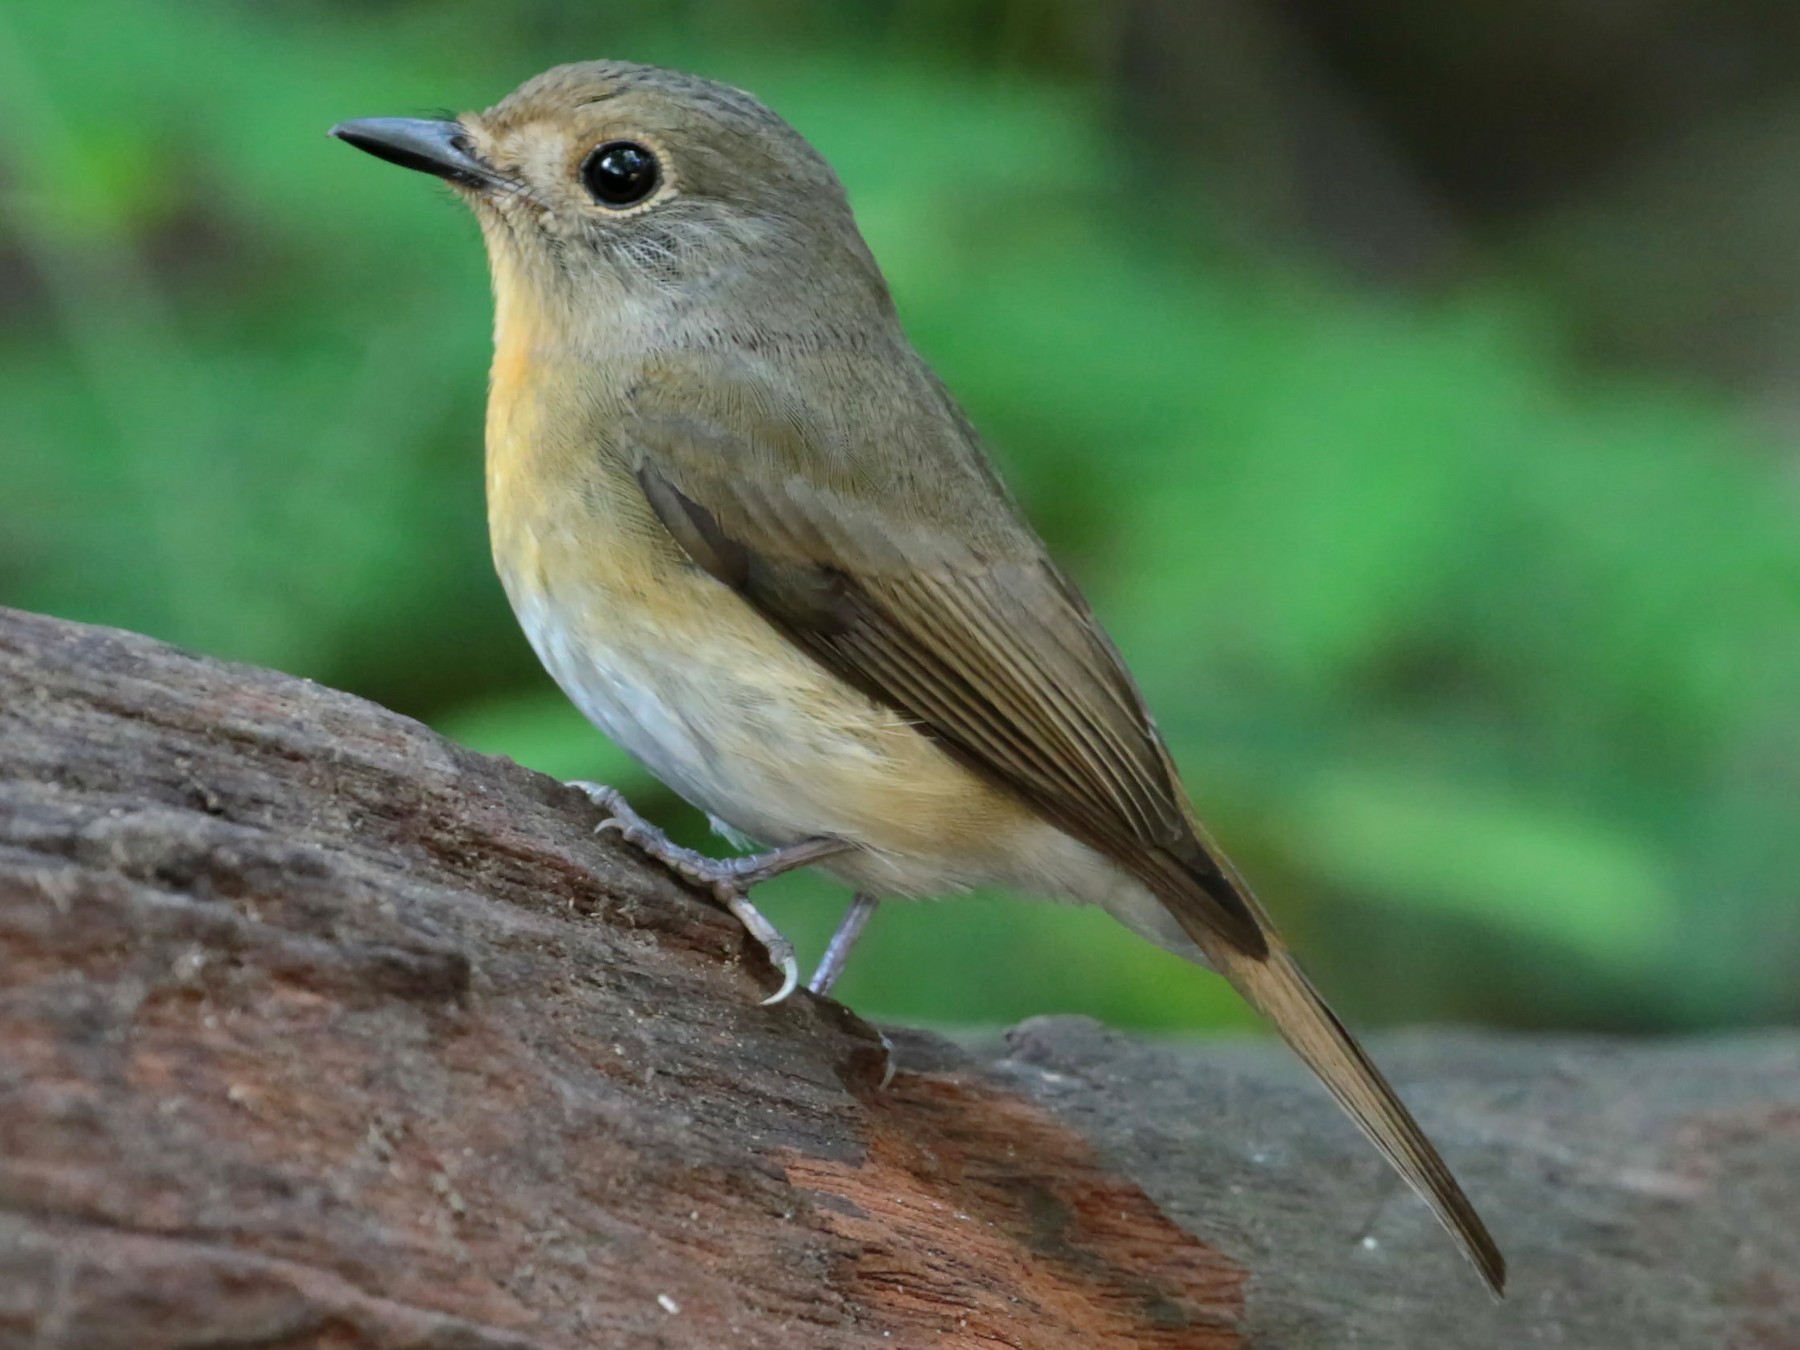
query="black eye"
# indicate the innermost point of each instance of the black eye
(620, 173)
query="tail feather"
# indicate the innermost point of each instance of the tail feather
(1279, 989)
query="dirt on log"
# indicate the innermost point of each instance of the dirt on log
(318, 1030)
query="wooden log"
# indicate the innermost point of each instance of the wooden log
(318, 1030)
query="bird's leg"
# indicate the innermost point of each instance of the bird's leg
(837, 951)
(837, 956)
(728, 879)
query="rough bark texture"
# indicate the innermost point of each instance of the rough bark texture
(316, 1030)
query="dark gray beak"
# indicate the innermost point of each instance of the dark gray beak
(440, 148)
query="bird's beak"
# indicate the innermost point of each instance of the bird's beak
(440, 148)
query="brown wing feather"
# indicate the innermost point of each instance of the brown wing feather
(1039, 701)
(963, 625)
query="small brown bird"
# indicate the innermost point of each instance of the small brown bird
(755, 540)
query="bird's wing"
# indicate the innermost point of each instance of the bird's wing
(911, 577)
(894, 557)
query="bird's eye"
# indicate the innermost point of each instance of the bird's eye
(621, 173)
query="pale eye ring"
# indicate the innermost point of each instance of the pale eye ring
(620, 174)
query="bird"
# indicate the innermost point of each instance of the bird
(753, 537)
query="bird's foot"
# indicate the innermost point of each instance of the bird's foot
(727, 879)
(837, 955)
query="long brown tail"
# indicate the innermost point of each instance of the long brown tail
(1279, 989)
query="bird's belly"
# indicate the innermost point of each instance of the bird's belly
(695, 685)
(721, 708)
(632, 707)
(679, 714)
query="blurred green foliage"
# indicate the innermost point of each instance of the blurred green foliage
(1485, 668)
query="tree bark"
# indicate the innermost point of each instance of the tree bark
(317, 1030)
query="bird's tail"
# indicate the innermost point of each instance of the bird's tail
(1279, 989)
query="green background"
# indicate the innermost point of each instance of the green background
(1477, 648)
